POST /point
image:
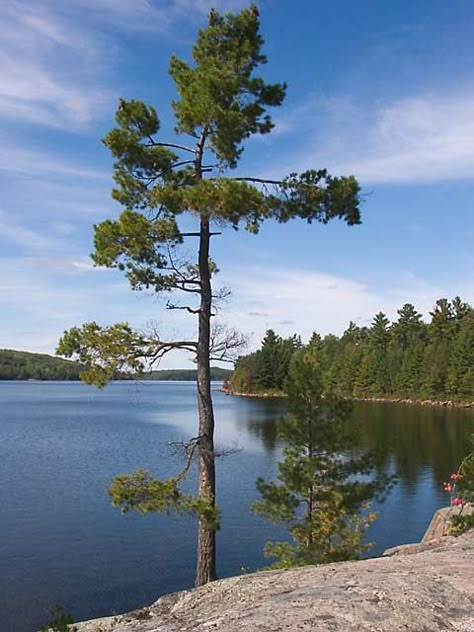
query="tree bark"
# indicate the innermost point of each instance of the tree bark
(206, 551)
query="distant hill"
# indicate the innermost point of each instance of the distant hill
(23, 365)
(217, 374)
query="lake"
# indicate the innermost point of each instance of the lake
(61, 542)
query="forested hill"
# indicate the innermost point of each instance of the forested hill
(22, 365)
(217, 374)
(409, 358)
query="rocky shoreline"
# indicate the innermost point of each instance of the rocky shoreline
(383, 400)
(421, 587)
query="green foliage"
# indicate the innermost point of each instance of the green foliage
(220, 91)
(266, 369)
(221, 102)
(323, 489)
(60, 621)
(21, 365)
(460, 374)
(217, 374)
(405, 359)
(104, 351)
(464, 487)
(461, 523)
(142, 492)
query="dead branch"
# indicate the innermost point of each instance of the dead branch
(225, 342)
(192, 310)
(189, 449)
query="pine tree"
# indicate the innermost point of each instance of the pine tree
(323, 487)
(378, 355)
(409, 335)
(460, 376)
(441, 331)
(221, 103)
(269, 360)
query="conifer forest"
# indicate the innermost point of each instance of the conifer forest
(408, 358)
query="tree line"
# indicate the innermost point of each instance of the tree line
(23, 365)
(408, 358)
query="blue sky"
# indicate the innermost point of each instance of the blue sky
(383, 90)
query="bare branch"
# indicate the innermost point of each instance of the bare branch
(182, 268)
(222, 294)
(189, 448)
(158, 348)
(191, 310)
(225, 342)
(181, 285)
(197, 234)
(229, 451)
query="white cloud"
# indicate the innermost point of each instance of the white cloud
(14, 233)
(31, 162)
(145, 14)
(294, 300)
(49, 67)
(423, 138)
(49, 294)
(54, 55)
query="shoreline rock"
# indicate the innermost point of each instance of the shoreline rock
(382, 400)
(424, 587)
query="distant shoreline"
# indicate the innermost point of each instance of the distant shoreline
(381, 400)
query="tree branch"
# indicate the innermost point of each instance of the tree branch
(224, 343)
(189, 448)
(257, 180)
(191, 310)
(174, 145)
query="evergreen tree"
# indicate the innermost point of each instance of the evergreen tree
(406, 352)
(221, 103)
(322, 486)
(460, 376)
(409, 359)
(409, 379)
(436, 361)
(378, 356)
(409, 327)
(269, 360)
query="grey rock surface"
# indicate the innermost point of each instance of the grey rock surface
(425, 587)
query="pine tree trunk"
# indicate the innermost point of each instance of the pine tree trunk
(206, 552)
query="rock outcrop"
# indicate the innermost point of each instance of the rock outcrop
(426, 587)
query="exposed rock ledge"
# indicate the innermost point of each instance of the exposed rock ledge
(421, 587)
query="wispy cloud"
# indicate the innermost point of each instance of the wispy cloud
(145, 14)
(423, 138)
(54, 55)
(49, 67)
(21, 160)
(21, 236)
(294, 300)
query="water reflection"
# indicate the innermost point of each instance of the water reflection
(411, 439)
(61, 444)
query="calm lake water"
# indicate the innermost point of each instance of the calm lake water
(60, 444)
